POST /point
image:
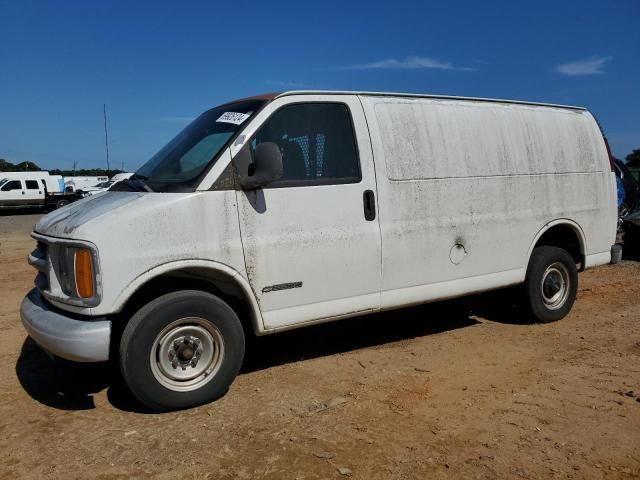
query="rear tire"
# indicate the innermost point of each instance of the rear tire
(551, 284)
(181, 350)
(62, 203)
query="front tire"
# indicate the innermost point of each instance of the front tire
(181, 350)
(551, 284)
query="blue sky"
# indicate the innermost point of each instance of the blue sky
(158, 64)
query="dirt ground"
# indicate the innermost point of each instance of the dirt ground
(458, 389)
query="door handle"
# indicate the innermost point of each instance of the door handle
(23, 192)
(369, 202)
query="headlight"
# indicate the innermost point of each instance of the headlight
(69, 270)
(76, 272)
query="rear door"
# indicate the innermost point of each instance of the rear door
(311, 240)
(34, 193)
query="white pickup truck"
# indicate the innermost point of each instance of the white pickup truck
(33, 190)
(281, 211)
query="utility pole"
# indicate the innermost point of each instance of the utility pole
(106, 137)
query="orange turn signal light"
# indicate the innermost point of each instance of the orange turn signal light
(84, 273)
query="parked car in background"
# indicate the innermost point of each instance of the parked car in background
(80, 183)
(631, 188)
(121, 176)
(98, 188)
(631, 236)
(104, 186)
(282, 211)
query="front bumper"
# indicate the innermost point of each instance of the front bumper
(66, 337)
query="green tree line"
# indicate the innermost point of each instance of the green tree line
(6, 166)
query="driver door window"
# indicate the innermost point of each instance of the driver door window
(317, 144)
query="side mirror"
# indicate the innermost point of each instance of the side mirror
(265, 169)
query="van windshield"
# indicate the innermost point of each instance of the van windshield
(180, 165)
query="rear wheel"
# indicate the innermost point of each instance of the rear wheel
(181, 350)
(62, 203)
(551, 284)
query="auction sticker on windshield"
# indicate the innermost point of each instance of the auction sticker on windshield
(233, 117)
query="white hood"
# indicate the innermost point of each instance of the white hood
(65, 221)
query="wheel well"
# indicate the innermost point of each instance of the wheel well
(565, 237)
(203, 279)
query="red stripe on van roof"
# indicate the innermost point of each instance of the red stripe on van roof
(262, 96)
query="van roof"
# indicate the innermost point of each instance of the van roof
(412, 95)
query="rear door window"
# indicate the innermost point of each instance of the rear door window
(32, 185)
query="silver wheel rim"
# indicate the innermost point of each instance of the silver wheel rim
(187, 354)
(554, 286)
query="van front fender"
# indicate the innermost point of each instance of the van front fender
(204, 265)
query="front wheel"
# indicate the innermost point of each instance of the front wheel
(181, 350)
(551, 284)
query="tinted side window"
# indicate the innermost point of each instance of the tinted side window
(12, 185)
(32, 185)
(316, 141)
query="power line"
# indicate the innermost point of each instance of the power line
(106, 137)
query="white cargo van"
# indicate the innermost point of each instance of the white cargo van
(281, 211)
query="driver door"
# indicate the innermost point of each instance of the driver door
(310, 240)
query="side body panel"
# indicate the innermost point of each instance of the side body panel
(465, 188)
